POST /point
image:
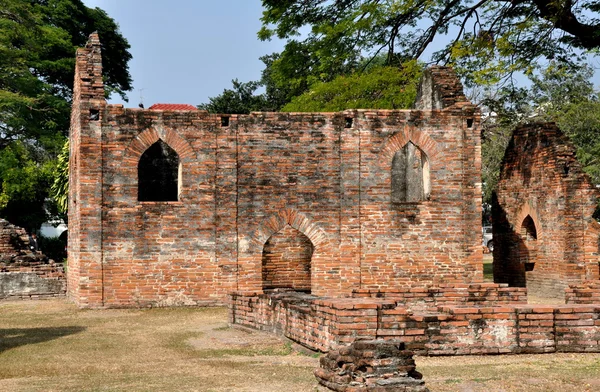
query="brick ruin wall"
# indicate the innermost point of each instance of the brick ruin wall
(245, 179)
(545, 236)
(324, 324)
(25, 274)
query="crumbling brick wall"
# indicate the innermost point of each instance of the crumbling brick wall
(544, 233)
(24, 273)
(245, 178)
(452, 329)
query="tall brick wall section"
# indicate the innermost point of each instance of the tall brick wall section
(545, 236)
(85, 276)
(326, 175)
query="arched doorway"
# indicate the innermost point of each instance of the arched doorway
(286, 260)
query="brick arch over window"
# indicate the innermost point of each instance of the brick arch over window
(410, 154)
(159, 173)
(140, 144)
(286, 260)
(294, 219)
(398, 140)
(528, 228)
(525, 211)
(147, 138)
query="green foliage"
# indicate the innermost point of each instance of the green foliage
(24, 185)
(239, 100)
(581, 123)
(60, 185)
(489, 39)
(53, 247)
(381, 87)
(38, 39)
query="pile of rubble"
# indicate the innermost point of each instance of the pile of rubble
(370, 366)
(26, 272)
(17, 251)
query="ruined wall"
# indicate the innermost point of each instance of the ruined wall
(244, 179)
(545, 236)
(452, 329)
(25, 274)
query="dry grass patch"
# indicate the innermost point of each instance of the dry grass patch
(53, 346)
(531, 373)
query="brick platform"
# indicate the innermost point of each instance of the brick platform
(325, 323)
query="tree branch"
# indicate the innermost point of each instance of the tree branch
(562, 17)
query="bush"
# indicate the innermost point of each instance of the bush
(53, 247)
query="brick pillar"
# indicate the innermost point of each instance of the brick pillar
(85, 178)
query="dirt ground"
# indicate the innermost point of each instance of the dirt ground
(53, 346)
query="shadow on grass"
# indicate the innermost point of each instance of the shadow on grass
(488, 272)
(15, 337)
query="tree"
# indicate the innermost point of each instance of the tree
(489, 39)
(24, 186)
(380, 87)
(60, 185)
(242, 97)
(38, 39)
(569, 99)
(239, 100)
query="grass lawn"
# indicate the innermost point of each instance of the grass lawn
(53, 346)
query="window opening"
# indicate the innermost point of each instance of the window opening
(410, 175)
(159, 173)
(528, 231)
(94, 114)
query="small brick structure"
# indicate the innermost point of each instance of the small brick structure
(324, 324)
(25, 274)
(545, 235)
(360, 199)
(370, 366)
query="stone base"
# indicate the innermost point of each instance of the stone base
(370, 366)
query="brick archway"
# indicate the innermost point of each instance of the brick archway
(147, 138)
(398, 140)
(296, 220)
(527, 210)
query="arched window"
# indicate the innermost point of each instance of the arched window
(528, 248)
(410, 175)
(158, 173)
(528, 231)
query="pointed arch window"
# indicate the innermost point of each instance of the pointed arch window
(528, 230)
(410, 175)
(159, 173)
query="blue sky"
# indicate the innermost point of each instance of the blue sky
(185, 51)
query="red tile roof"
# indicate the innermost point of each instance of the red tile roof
(172, 106)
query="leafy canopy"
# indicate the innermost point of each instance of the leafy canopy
(381, 87)
(489, 39)
(38, 39)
